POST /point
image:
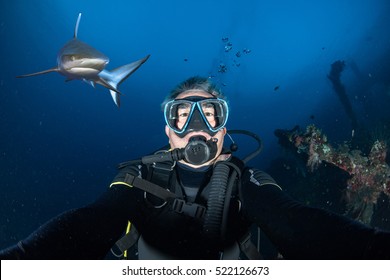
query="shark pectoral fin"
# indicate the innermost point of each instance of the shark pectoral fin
(54, 69)
(116, 98)
(118, 75)
(92, 83)
(115, 93)
(112, 79)
(107, 84)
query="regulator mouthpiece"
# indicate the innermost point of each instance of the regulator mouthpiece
(199, 150)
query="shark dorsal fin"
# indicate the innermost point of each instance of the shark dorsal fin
(77, 26)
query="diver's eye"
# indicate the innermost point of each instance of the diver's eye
(183, 114)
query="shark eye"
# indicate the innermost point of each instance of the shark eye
(70, 57)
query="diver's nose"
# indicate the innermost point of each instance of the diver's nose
(196, 121)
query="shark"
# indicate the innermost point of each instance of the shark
(77, 60)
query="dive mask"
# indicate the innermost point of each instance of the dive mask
(196, 113)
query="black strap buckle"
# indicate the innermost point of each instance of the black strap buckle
(191, 209)
(248, 248)
(165, 166)
(127, 241)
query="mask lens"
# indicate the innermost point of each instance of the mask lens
(215, 113)
(178, 114)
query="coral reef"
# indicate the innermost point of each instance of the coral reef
(369, 174)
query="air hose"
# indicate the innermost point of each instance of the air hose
(216, 201)
(221, 186)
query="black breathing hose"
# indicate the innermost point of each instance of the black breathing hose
(221, 186)
(254, 136)
(216, 201)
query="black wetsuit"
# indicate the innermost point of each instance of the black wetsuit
(297, 231)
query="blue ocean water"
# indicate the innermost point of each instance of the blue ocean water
(60, 141)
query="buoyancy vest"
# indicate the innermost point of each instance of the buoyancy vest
(223, 232)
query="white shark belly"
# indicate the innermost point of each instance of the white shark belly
(81, 73)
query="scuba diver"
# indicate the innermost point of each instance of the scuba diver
(196, 200)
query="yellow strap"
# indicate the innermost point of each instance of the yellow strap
(127, 231)
(129, 223)
(120, 183)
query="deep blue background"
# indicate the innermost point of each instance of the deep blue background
(60, 142)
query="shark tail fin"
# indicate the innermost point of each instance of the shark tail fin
(116, 76)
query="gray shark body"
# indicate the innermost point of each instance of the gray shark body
(79, 61)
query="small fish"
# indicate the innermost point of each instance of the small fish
(276, 88)
(79, 61)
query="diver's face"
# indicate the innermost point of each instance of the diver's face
(177, 142)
